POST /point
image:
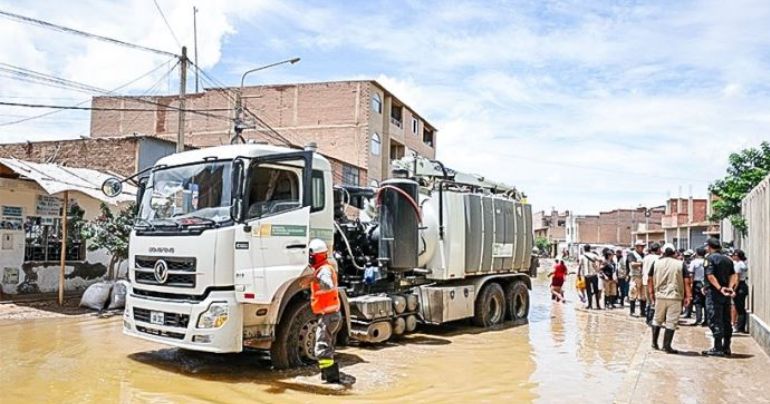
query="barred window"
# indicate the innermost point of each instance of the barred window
(350, 175)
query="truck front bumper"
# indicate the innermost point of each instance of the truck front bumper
(180, 322)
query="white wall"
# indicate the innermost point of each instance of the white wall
(21, 193)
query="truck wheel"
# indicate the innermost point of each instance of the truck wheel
(295, 337)
(517, 301)
(489, 308)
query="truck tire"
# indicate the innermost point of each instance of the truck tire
(489, 308)
(294, 337)
(517, 301)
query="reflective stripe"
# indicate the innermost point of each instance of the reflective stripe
(325, 363)
(324, 301)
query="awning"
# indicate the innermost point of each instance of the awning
(54, 179)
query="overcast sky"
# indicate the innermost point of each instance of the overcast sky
(583, 105)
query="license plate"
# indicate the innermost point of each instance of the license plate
(157, 317)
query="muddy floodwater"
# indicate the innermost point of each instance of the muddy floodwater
(564, 353)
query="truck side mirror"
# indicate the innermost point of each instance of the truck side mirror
(236, 203)
(112, 187)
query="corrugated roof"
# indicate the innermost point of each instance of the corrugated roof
(54, 179)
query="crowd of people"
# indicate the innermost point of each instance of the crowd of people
(665, 284)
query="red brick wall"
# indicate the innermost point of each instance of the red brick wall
(116, 155)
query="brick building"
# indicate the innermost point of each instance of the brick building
(358, 125)
(551, 226)
(686, 223)
(122, 155)
(615, 227)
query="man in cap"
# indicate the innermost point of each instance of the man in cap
(634, 262)
(721, 281)
(647, 262)
(588, 267)
(669, 284)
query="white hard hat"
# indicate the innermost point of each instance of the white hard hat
(318, 246)
(669, 246)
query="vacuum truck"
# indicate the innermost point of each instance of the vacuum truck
(219, 250)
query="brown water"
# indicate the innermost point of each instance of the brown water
(562, 354)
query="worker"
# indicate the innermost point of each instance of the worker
(669, 284)
(634, 262)
(325, 303)
(649, 259)
(721, 281)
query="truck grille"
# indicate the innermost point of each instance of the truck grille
(169, 319)
(181, 271)
(152, 331)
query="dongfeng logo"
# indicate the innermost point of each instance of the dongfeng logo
(161, 271)
(162, 250)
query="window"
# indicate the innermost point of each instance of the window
(376, 144)
(377, 103)
(272, 190)
(396, 115)
(43, 237)
(397, 150)
(319, 193)
(350, 175)
(427, 137)
(415, 125)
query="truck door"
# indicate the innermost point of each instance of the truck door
(271, 246)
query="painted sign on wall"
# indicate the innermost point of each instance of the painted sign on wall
(10, 276)
(48, 205)
(14, 211)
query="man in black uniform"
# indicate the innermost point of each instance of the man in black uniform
(721, 281)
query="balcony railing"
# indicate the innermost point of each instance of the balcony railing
(396, 122)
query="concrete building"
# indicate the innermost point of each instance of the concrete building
(359, 125)
(652, 233)
(615, 227)
(686, 223)
(552, 227)
(31, 203)
(122, 155)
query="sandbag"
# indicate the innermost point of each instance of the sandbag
(96, 296)
(118, 295)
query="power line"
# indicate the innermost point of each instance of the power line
(156, 68)
(64, 107)
(160, 10)
(55, 27)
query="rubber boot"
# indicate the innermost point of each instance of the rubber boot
(331, 374)
(726, 346)
(632, 304)
(668, 336)
(717, 350)
(642, 308)
(655, 335)
(650, 315)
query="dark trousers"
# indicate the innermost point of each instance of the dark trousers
(718, 314)
(698, 301)
(740, 305)
(592, 289)
(622, 290)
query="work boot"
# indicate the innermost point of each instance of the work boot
(717, 350)
(642, 308)
(650, 315)
(655, 335)
(726, 347)
(668, 336)
(331, 374)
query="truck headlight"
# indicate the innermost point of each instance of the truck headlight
(215, 316)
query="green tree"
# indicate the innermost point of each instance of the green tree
(747, 168)
(110, 232)
(543, 245)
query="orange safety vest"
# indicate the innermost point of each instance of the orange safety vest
(324, 301)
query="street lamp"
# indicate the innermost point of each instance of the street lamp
(239, 124)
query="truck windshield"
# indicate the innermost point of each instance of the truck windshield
(195, 194)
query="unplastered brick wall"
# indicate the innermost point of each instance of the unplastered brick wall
(113, 155)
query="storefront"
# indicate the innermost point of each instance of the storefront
(31, 204)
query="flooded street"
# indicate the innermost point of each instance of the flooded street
(564, 353)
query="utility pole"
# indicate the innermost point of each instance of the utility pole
(182, 106)
(195, 44)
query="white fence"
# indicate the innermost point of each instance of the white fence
(756, 210)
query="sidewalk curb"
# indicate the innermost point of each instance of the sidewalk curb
(635, 368)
